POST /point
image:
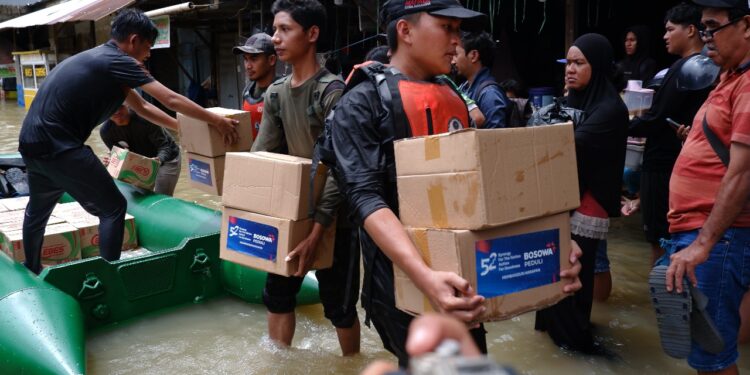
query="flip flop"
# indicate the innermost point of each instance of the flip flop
(673, 313)
(702, 328)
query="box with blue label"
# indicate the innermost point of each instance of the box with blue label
(515, 267)
(263, 242)
(206, 173)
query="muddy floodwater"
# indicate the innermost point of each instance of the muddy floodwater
(228, 336)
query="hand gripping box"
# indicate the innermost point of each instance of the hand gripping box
(137, 170)
(271, 184)
(263, 242)
(201, 138)
(62, 243)
(205, 173)
(515, 267)
(475, 179)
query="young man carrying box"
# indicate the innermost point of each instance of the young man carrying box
(79, 94)
(423, 36)
(294, 113)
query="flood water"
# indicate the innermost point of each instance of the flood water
(228, 336)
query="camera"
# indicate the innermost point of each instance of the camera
(447, 360)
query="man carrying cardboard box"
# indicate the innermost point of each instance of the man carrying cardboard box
(423, 36)
(294, 113)
(128, 130)
(259, 58)
(79, 94)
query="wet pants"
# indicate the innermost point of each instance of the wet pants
(82, 175)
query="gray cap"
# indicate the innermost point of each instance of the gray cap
(258, 43)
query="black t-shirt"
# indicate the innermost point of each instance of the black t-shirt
(662, 144)
(80, 93)
(141, 137)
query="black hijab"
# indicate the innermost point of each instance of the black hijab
(600, 90)
(601, 137)
(640, 65)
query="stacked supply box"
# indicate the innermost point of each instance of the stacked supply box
(206, 148)
(61, 244)
(491, 206)
(88, 228)
(266, 203)
(135, 169)
(14, 204)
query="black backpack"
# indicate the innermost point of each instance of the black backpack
(514, 117)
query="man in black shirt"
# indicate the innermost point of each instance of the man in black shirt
(79, 94)
(662, 144)
(125, 129)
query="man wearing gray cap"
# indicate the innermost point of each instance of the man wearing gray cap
(259, 58)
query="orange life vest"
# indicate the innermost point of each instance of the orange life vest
(255, 107)
(422, 108)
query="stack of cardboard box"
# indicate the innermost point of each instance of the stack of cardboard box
(61, 244)
(71, 232)
(135, 169)
(88, 228)
(206, 149)
(491, 206)
(266, 204)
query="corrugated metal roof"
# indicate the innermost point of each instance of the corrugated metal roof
(69, 11)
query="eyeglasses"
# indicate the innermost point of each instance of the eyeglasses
(709, 33)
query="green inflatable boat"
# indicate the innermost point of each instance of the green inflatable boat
(44, 319)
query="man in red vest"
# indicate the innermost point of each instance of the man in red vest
(259, 58)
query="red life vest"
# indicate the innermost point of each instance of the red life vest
(255, 107)
(421, 108)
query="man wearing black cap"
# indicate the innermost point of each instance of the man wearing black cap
(259, 58)
(422, 35)
(709, 216)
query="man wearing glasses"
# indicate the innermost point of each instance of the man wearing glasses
(709, 215)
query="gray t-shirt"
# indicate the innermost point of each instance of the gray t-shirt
(291, 125)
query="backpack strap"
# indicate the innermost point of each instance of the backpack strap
(487, 84)
(326, 83)
(719, 148)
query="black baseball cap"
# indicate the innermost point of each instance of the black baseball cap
(258, 43)
(743, 5)
(395, 9)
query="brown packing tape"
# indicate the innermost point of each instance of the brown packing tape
(436, 198)
(423, 246)
(431, 148)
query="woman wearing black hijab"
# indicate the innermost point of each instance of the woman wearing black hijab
(637, 64)
(600, 141)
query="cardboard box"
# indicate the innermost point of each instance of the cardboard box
(206, 173)
(88, 227)
(13, 220)
(200, 138)
(515, 267)
(263, 242)
(137, 170)
(475, 179)
(271, 184)
(62, 243)
(15, 204)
